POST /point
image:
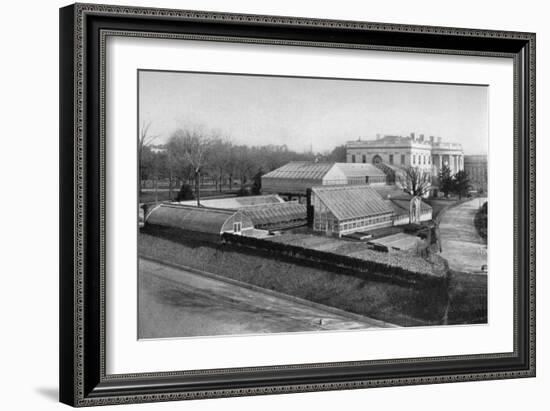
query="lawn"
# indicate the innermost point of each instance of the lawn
(468, 298)
(397, 304)
(360, 250)
(152, 197)
(439, 205)
(164, 195)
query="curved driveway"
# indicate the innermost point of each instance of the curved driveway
(461, 245)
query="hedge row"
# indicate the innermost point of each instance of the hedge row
(480, 221)
(365, 269)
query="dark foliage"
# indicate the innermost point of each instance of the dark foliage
(257, 183)
(338, 154)
(185, 193)
(445, 180)
(245, 191)
(480, 221)
(461, 184)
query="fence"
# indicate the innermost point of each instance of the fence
(361, 268)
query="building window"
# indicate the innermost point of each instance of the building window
(391, 158)
(414, 159)
(237, 227)
(353, 158)
(402, 158)
(424, 158)
(364, 158)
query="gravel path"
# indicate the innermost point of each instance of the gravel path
(461, 245)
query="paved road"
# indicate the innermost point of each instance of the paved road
(179, 303)
(461, 245)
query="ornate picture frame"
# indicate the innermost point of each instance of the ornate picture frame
(84, 30)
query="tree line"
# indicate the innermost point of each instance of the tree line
(193, 155)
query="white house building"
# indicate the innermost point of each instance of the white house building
(429, 154)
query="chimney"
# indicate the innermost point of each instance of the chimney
(309, 209)
(439, 139)
(421, 137)
(378, 136)
(412, 136)
(431, 139)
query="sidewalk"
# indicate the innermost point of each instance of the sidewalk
(180, 302)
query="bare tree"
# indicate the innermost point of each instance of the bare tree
(144, 140)
(220, 161)
(191, 147)
(415, 181)
(244, 163)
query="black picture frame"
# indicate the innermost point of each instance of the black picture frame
(83, 29)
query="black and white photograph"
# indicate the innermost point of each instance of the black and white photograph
(275, 205)
(279, 204)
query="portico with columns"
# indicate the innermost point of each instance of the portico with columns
(453, 159)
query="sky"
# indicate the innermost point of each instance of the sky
(305, 113)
